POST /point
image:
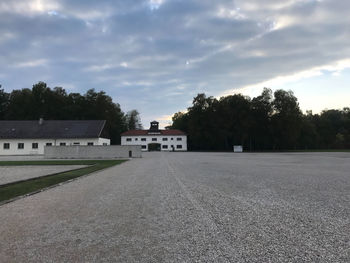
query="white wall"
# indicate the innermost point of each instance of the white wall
(103, 141)
(172, 140)
(93, 152)
(28, 150)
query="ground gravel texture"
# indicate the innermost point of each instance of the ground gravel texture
(9, 174)
(190, 207)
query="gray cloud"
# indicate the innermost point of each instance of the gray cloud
(157, 57)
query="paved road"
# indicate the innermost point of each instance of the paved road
(189, 207)
(10, 174)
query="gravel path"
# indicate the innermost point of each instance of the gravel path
(21, 157)
(10, 174)
(189, 207)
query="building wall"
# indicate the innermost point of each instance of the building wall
(93, 152)
(171, 140)
(28, 150)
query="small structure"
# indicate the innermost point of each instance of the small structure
(30, 137)
(238, 148)
(155, 139)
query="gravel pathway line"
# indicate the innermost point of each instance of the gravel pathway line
(227, 250)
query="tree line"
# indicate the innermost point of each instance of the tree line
(270, 121)
(56, 104)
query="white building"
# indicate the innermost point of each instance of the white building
(155, 139)
(30, 137)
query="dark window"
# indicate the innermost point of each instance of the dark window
(179, 139)
(178, 146)
(172, 138)
(20, 145)
(35, 145)
(165, 139)
(62, 144)
(90, 143)
(48, 144)
(128, 139)
(143, 139)
(165, 146)
(105, 144)
(6, 146)
(136, 139)
(144, 147)
(154, 139)
(76, 143)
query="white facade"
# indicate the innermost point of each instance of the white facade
(166, 142)
(36, 146)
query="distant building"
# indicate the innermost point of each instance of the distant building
(30, 137)
(155, 139)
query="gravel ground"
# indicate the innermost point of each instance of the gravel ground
(21, 157)
(189, 207)
(10, 174)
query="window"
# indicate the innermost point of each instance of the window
(20, 145)
(172, 138)
(179, 139)
(165, 146)
(136, 139)
(90, 143)
(144, 147)
(128, 139)
(165, 139)
(6, 146)
(154, 139)
(143, 139)
(62, 144)
(178, 146)
(34, 145)
(48, 144)
(104, 144)
(76, 143)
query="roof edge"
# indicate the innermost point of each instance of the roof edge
(126, 133)
(103, 125)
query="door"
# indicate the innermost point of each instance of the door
(153, 147)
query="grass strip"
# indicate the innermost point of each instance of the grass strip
(13, 190)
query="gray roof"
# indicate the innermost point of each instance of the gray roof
(60, 129)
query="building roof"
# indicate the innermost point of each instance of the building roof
(48, 129)
(151, 133)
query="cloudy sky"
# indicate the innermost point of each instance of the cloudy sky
(156, 55)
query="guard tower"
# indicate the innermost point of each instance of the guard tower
(154, 126)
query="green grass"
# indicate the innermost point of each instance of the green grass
(12, 190)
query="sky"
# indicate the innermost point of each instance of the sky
(157, 55)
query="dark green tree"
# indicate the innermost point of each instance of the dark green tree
(56, 104)
(266, 122)
(286, 120)
(133, 120)
(261, 110)
(4, 100)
